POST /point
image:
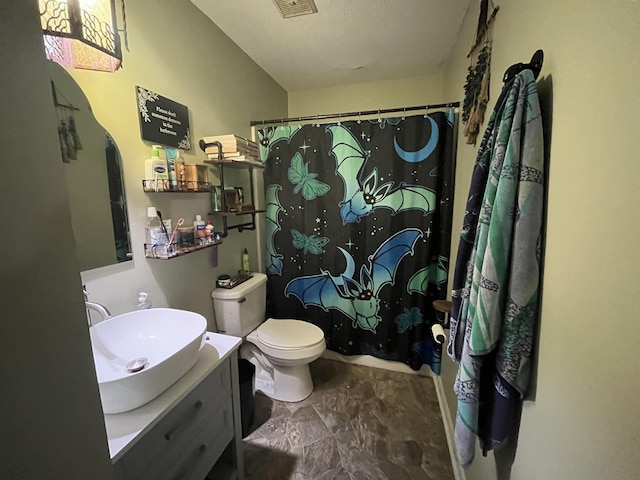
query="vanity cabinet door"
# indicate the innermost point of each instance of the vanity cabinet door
(205, 447)
(188, 438)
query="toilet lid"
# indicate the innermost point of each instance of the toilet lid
(289, 333)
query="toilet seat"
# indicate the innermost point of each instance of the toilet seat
(288, 341)
(289, 334)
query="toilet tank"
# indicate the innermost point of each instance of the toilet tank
(240, 309)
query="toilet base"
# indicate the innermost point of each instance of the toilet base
(286, 383)
(293, 383)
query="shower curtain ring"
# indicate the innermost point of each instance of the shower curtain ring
(339, 121)
(426, 111)
(404, 112)
(359, 120)
(317, 121)
(379, 119)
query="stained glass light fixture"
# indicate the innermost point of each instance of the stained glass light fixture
(81, 33)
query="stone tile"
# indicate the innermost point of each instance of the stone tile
(359, 463)
(371, 434)
(417, 473)
(437, 463)
(274, 428)
(405, 453)
(394, 472)
(305, 427)
(342, 400)
(359, 423)
(319, 457)
(337, 474)
(334, 420)
(281, 464)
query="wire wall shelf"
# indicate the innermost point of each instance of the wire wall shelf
(175, 186)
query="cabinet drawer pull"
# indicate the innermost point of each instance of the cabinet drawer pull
(188, 465)
(171, 433)
(242, 300)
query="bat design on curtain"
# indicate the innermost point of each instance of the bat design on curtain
(357, 299)
(272, 208)
(270, 135)
(346, 204)
(362, 194)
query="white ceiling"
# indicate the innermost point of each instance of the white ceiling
(346, 42)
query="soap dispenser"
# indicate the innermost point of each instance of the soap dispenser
(143, 301)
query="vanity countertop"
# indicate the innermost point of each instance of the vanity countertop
(125, 429)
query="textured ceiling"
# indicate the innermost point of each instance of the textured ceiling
(346, 42)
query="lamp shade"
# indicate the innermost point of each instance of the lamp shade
(81, 33)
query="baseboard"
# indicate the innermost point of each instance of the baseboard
(370, 361)
(447, 421)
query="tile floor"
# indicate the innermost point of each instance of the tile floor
(360, 423)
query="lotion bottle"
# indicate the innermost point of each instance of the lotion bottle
(200, 230)
(155, 171)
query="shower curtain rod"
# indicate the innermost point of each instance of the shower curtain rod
(253, 123)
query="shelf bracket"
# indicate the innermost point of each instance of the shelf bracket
(225, 224)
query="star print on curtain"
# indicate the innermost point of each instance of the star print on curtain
(358, 226)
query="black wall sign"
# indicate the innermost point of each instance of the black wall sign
(162, 120)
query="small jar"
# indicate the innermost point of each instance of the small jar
(185, 237)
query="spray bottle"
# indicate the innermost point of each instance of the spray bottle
(245, 261)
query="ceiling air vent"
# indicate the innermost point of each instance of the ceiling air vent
(295, 8)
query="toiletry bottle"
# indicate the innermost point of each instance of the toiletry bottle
(210, 232)
(143, 301)
(154, 233)
(180, 171)
(155, 171)
(245, 261)
(170, 155)
(200, 230)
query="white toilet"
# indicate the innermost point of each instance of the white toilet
(281, 350)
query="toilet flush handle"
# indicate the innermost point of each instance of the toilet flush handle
(242, 300)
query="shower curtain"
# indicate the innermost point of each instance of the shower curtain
(358, 227)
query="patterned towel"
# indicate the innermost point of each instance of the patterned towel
(496, 282)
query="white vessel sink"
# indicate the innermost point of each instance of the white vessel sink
(138, 355)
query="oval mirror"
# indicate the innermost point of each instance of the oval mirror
(94, 178)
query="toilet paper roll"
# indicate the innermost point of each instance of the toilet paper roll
(438, 333)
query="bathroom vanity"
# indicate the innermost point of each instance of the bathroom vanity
(191, 429)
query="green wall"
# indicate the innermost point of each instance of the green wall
(51, 415)
(177, 52)
(584, 422)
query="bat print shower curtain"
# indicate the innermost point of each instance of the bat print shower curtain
(358, 227)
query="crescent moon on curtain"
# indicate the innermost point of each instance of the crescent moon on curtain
(424, 152)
